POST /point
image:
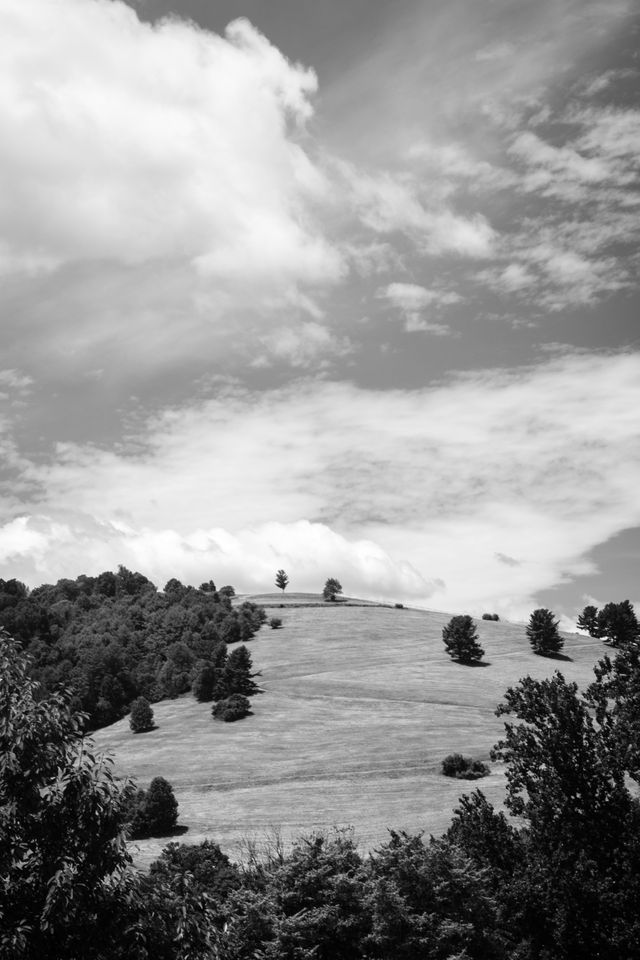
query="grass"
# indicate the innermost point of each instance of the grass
(360, 706)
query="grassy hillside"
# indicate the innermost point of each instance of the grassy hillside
(361, 704)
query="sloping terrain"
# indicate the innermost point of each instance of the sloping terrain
(360, 705)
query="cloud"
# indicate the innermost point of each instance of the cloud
(158, 180)
(386, 203)
(445, 479)
(411, 300)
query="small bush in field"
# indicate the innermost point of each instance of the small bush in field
(490, 616)
(399, 606)
(275, 623)
(231, 708)
(463, 768)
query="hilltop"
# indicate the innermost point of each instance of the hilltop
(360, 705)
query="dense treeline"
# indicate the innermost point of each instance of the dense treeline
(115, 637)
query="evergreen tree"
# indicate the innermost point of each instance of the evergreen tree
(542, 632)
(281, 580)
(237, 676)
(461, 640)
(588, 620)
(618, 623)
(141, 717)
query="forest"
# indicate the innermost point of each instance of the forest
(115, 637)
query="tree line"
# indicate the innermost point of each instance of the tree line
(115, 638)
(560, 880)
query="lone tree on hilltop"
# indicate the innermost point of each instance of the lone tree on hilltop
(141, 718)
(281, 580)
(461, 640)
(331, 589)
(542, 632)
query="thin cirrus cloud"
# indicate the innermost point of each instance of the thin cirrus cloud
(418, 494)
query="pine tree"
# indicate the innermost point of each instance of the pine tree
(588, 620)
(618, 623)
(542, 632)
(141, 717)
(237, 675)
(461, 640)
(282, 580)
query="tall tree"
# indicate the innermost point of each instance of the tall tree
(588, 620)
(65, 884)
(461, 640)
(542, 631)
(281, 580)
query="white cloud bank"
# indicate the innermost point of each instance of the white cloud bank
(127, 141)
(390, 491)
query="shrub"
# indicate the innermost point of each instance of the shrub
(275, 623)
(490, 616)
(463, 768)
(141, 717)
(231, 708)
(399, 606)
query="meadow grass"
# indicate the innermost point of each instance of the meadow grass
(360, 706)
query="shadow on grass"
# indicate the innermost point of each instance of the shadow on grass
(556, 656)
(474, 663)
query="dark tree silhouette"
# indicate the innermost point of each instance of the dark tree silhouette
(543, 634)
(281, 580)
(461, 640)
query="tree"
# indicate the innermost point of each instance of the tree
(66, 889)
(281, 580)
(461, 640)
(588, 620)
(237, 676)
(331, 589)
(617, 622)
(141, 717)
(204, 681)
(542, 632)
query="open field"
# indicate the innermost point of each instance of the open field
(360, 705)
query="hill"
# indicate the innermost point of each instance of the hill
(360, 705)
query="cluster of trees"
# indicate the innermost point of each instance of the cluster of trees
(616, 623)
(560, 882)
(115, 637)
(228, 679)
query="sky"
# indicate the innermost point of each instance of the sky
(346, 288)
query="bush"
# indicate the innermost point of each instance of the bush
(275, 623)
(399, 606)
(141, 717)
(231, 708)
(464, 768)
(490, 616)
